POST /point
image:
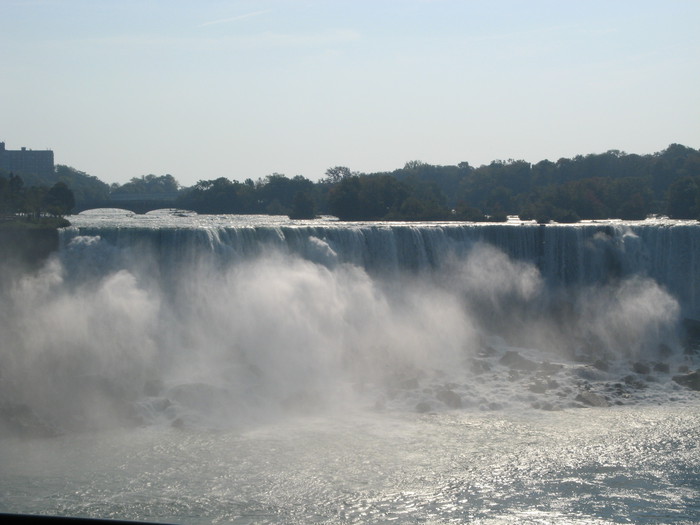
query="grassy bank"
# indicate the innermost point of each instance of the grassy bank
(23, 224)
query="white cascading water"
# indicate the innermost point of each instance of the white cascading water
(178, 325)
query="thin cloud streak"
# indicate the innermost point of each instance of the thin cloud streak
(234, 18)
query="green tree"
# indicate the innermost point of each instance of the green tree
(87, 189)
(344, 199)
(33, 202)
(149, 185)
(302, 207)
(684, 198)
(336, 174)
(465, 212)
(59, 200)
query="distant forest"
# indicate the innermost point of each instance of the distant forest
(613, 184)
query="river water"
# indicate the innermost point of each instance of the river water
(617, 465)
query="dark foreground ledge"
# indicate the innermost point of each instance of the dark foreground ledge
(27, 247)
(33, 520)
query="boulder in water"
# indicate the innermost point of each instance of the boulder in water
(601, 364)
(662, 367)
(589, 373)
(641, 368)
(592, 399)
(634, 382)
(550, 368)
(515, 361)
(20, 420)
(487, 351)
(691, 380)
(480, 366)
(422, 407)
(450, 398)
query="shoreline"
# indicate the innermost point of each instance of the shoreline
(27, 245)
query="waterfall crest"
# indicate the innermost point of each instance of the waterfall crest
(566, 255)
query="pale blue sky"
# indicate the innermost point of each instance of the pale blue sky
(244, 88)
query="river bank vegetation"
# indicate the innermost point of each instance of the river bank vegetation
(33, 207)
(613, 184)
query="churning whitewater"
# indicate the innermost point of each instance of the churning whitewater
(198, 369)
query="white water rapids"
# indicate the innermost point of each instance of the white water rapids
(194, 369)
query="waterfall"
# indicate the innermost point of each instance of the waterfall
(565, 255)
(216, 320)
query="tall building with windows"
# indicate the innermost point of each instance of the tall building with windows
(26, 161)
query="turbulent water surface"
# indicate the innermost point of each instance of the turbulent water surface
(197, 369)
(621, 465)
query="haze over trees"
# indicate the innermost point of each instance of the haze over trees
(613, 184)
(147, 185)
(86, 188)
(596, 186)
(32, 203)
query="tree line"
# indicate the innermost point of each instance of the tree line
(33, 203)
(613, 184)
(596, 186)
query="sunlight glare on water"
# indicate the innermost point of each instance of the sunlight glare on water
(631, 464)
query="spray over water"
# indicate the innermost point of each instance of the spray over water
(246, 325)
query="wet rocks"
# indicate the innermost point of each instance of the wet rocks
(641, 368)
(538, 387)
(160, 404)
(546, 406)
(601, 364)
(550, 368)
(423, 407)
(589, 373)
(515, 361)
(522, 376)
(691, 380)
(487, 351)
(592, 399)
(450, 398)
(20, 420)
(634, 382)
(480, 366)
(552, 384)
(663, 368)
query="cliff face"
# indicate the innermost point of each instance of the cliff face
(26, 248)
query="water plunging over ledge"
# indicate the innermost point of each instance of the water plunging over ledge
(590, 252)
